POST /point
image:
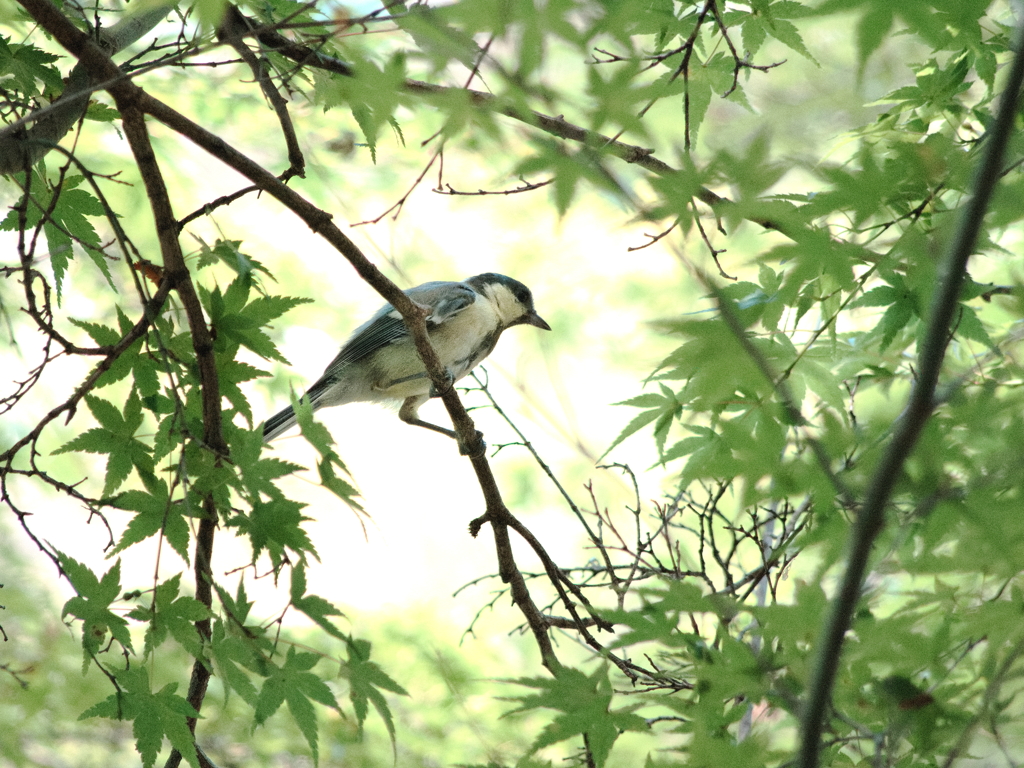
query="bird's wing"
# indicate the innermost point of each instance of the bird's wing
(445, 299)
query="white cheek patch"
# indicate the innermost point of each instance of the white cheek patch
(506, 305)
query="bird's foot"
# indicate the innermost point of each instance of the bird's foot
(446, 388)
(479, 443)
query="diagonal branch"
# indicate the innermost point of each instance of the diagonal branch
(556, 126)
(232, 28)
(133, 100)
(871, 518)
(23, 147)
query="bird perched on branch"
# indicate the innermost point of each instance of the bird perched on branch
(379, 363)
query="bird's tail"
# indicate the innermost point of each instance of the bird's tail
(326, 391)
(279, 423)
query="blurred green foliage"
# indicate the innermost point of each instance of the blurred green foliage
(812, 220)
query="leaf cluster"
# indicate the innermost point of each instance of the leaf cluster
(700, 615)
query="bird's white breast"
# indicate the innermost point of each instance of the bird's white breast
(459, 338)
(457, 341)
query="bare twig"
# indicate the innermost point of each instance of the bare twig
(232, 28)
(652, 239)
(525, 187)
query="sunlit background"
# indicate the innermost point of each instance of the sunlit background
(399, 567)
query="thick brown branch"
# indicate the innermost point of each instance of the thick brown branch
(132, 99)
(213, 437)
(175, 268)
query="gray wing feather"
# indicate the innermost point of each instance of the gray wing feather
(446, 300)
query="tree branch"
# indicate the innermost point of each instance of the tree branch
(556, 126)
(213, 437)
(133, 99)
(871, 518)
(232, 29)
(21, 148)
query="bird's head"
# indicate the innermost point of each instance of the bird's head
(511, 299)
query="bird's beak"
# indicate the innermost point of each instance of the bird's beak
(532, 318)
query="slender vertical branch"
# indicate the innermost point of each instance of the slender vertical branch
(232, 29)
(213, 437)
(871, 517)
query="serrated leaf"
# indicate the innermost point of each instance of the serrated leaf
(101, 113)
(882, 296)
(305, 717)
(103, 335)
(314, 606)
(274, 526)
(156, 513)
(92, 605)
(25, 64)
(174, 615)
(266, 308)
(872, 28)
(106, 413)
(684, 447)
(153, 715)
(893, 321)
(647, 400)
(368, 126)
(584, 704)
(637, 423)
(787, 33)
(968, 325)
(698, 90)
(91, 441)
(330, 480)
(294, 683)
(365, 679)
(146, 372)
(438, 39)
(753, 34)
(822, 382)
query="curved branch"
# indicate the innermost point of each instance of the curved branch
(556, 126)
(232, 30)
(133, 102)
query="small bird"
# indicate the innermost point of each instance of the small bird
(379, 364)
